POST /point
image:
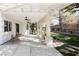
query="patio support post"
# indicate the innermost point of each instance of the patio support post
(48, 40)
(1, 28)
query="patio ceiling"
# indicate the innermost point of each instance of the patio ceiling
(28, 7)
(34, 11)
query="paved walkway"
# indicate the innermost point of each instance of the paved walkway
(27, 46)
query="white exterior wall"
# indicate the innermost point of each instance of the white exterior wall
(5, 36)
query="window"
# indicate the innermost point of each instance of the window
(7, 26)
(10, 26)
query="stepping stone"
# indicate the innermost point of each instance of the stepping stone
(71, 49)
(77, 48)
(64, 50)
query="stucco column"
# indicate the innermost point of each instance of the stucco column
(38, 29)
(1, 29)
(49, 39)
(27, 28)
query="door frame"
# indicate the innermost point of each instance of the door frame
(17, 28)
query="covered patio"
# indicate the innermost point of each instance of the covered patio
(32, 22)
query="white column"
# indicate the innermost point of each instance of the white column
(49, 39)
(1, 29)
(27, 30)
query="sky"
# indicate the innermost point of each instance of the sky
(55, 20)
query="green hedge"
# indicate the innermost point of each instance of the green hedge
(68, 38)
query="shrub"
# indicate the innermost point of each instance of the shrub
(68, 38)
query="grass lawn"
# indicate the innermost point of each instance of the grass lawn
(71, 47)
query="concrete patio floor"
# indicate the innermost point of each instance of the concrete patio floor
(27, 46)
